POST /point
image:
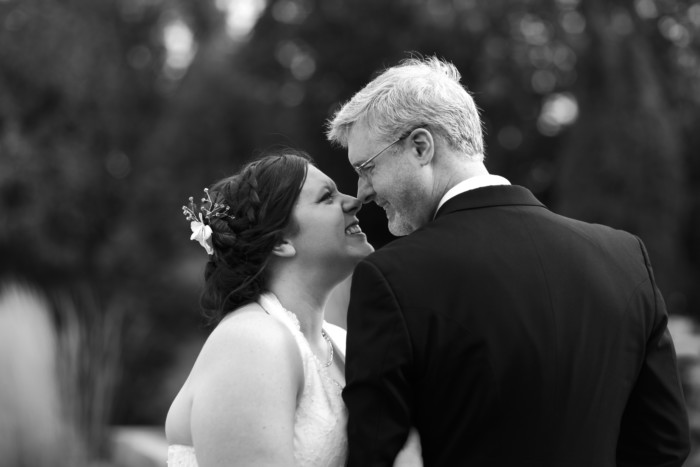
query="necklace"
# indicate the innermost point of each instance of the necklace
(323, 333)
(330, 349)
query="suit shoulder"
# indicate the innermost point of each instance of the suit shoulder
(603, 231)
(414, 247)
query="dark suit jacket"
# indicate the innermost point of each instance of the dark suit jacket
(512, 336)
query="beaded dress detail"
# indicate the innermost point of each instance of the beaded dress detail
(321, 417)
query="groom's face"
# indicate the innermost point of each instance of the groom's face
(391, 180)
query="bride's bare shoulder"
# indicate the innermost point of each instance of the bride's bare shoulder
(247, 333)
(245, 350)
(250, 317)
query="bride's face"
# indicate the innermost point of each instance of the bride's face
(329, 234)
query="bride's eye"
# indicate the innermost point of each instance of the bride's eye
(327, 196)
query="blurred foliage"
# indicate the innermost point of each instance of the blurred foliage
(58, 360)
(113, 112)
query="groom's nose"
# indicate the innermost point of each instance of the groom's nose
(365, 191)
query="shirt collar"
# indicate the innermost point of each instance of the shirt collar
(472, 183)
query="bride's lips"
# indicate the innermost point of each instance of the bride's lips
(353, 229)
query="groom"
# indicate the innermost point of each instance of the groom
(506, 334)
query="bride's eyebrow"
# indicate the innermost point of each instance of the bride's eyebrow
(328, 185)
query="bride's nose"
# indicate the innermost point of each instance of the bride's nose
(351, 205)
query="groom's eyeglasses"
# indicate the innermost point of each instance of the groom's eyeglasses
(363, 169)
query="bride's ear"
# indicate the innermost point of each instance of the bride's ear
(284, 249)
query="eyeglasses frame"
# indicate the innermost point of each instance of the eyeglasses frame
(360, 168)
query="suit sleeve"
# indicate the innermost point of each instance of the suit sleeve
(378, 391)
(654, 429)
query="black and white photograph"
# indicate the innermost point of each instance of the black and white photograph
(349, 233)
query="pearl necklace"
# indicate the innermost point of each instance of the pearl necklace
(330, 349)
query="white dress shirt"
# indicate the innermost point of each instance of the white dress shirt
(470, 184)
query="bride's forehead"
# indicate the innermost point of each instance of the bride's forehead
(315, 178)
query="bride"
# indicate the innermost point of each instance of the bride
(266, 388)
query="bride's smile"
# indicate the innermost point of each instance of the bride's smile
(328, 231)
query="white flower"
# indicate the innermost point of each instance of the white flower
(202, 234)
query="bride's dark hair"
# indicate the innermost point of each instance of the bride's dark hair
(261, 198)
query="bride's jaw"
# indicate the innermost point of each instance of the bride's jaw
(356, 233)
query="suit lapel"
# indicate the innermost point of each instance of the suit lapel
(490, 196)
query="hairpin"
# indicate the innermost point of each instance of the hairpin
(201, 218)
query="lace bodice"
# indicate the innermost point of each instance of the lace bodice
(181, 456)
(321, 417)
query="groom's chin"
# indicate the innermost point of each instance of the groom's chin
(399, 226)
(398, 229)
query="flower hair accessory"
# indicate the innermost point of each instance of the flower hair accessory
(201, 218)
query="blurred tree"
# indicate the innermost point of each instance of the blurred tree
(625, 162)
(79, 88)
(77, 94)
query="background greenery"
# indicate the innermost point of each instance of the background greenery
(113, 112)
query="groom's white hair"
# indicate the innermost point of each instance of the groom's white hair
(416, 92)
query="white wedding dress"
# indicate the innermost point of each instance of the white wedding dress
(321, 417)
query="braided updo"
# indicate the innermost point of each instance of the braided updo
(261, 199)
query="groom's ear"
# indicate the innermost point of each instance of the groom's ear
(422, 145)
(284, 249)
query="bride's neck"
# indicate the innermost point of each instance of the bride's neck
(305, 300)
